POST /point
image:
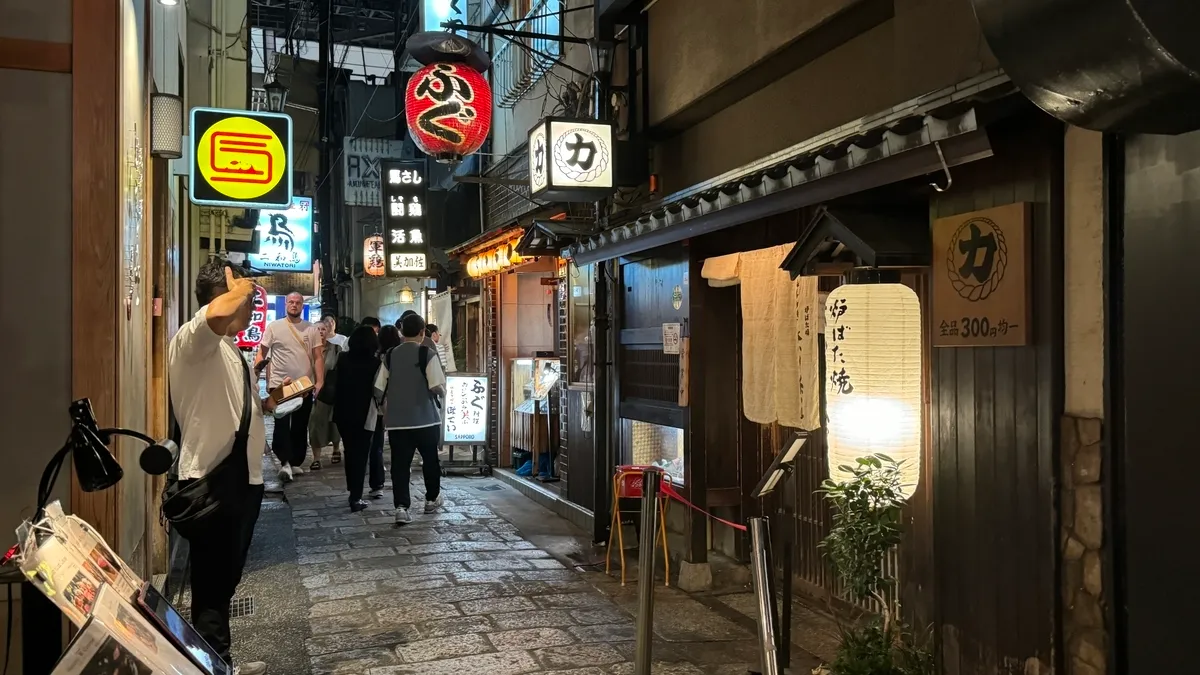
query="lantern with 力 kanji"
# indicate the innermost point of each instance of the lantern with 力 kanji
(374, 264)
(448, 107)
(873, 377)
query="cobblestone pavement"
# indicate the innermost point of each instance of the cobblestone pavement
(464, 591)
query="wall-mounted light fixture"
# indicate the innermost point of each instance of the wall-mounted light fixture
(168, 3)
(602, 55)
(166, 126)
(277, 94)
(406, 295)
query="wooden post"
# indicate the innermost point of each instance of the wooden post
(684, 370)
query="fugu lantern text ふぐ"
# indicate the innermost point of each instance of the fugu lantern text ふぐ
(448, 107)
(873, 377)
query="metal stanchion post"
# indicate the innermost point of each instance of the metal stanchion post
(764, 593)
(646, 549)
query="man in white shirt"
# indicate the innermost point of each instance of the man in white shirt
(208, 384)
(340, 340)
(292, 349)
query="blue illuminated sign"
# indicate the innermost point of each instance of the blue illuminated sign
(285, 238)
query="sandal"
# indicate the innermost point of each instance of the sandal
(315, 466)
(337, 457)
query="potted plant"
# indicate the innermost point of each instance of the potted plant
(866, 525)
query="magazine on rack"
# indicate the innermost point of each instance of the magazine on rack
(97, 651)
(140, 635)
(69, 563)
(171, 623)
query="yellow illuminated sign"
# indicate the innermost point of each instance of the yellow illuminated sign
(241, 158)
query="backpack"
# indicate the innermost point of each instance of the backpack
(423, 356)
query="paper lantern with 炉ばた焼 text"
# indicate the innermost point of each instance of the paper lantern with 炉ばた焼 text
(448, 108)
(873, 377)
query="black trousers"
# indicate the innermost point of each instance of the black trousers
(217, 560)
(405, 443)
(378, 475)
(290, 440)
(356, 447)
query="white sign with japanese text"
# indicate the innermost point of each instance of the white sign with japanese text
(466, 415)
(672, 336)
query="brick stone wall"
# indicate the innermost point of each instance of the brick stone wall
(1085, 597)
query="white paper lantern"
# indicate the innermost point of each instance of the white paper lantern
(873, 377)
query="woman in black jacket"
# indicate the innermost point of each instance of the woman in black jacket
(354, 408)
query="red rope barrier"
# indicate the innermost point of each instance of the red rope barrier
(670, 491)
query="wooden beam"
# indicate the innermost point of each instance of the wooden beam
(49, 57)
(95, 211)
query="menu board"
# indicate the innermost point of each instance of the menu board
(467, 405)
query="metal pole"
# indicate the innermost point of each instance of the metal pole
(760, 569)
(646, 550)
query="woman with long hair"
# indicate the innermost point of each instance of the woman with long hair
(354, 409)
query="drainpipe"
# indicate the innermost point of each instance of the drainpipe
(601, 398)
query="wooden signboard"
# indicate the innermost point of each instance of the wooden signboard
(981, 278)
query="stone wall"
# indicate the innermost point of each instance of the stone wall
(1085, 633)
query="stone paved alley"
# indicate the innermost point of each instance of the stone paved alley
(464, 590)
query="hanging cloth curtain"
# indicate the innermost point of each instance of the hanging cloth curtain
(780, 359)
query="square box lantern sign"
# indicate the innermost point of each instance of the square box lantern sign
(240, 159)
(571, 160)
(406, 242)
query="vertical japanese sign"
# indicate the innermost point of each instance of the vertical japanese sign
(403, 196)
(240, 159)
(980, 278)
(285, 238)
(466, 410)
(249, 338)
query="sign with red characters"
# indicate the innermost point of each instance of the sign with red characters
(448, 107)
(249, 338)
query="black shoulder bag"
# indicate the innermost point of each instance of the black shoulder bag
(193, 506)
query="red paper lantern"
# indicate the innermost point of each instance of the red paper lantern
(448, 107)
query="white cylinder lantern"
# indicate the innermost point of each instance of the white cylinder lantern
(873, 377)
(166, 126)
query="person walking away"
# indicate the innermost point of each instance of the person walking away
(210, 392)
(321, 429)
(293, 348)
(389, 339)
(354, 408)
(427, 341)
(371, 321)
(411, 380)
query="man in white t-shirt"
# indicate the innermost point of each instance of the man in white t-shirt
(292, 349)
(208, 384)
(334, 338)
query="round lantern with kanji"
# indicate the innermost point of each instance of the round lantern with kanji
(448, 107)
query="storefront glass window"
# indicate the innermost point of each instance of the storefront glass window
(646, 444)
(582, 336)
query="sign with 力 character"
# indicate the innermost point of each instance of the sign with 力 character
(240, 158)
(981, 278)
(571, 160)
(404, 203)
(466, 420)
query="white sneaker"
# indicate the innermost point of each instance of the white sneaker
(376, 494)
(251, 668)
(402, 517)
(298, 470)
(285, 473)
(431, 506)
